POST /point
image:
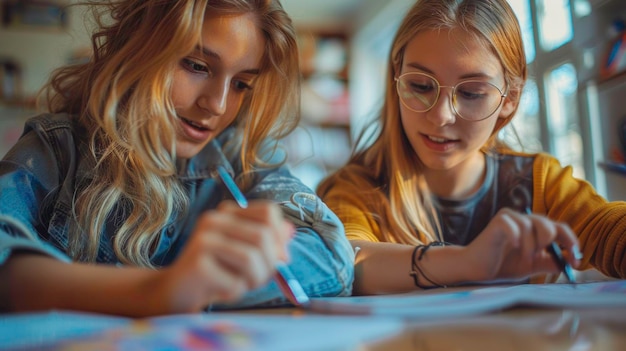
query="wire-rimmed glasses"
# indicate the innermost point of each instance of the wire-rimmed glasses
(472, 100)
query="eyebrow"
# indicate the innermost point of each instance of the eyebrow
(210, 53)
(465, 76)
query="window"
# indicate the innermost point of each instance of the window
(522, 11)
(524, 132)
(548, 118)
(561, 87)
(555, 23)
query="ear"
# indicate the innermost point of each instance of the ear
(508, 106)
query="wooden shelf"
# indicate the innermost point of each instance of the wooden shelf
(614, 77)
(26, 103)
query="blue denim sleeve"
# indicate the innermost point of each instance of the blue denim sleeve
(27, 175)
(322, 259)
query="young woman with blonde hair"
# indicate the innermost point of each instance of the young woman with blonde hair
(435, 199)
(110, 202)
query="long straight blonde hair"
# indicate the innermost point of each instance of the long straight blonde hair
(386, 175)
(121, 97)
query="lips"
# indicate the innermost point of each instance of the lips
(195, 131)
(439, 144)
(436, 139)
(194, 124)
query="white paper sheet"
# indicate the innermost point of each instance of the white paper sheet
(478, 301)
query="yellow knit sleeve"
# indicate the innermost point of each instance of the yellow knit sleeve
(600, 225)
(360, 224)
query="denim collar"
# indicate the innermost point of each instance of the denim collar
(204, 164)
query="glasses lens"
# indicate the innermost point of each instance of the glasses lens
(417, 91)
(476, 100)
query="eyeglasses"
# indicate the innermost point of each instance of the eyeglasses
(472, 100)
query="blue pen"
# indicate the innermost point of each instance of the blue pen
(230, 184)
(287, 282)
(555, 251)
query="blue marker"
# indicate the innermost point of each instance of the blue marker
(286, 281)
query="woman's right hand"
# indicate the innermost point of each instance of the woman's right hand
(231, 250)
(513, 246)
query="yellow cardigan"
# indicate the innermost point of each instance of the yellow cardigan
(600, 225)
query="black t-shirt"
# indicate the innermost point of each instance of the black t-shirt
(508, 183)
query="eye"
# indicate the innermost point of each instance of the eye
(419, 85)
(470, 95)
(241, 86)
(474, 91)
(194, 66)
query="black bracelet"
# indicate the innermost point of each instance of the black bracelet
(416, 271)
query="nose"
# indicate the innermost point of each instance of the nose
(442, 113)
(214, 97)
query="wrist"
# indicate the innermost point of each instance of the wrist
(157, 293)
(445, 265)
(420, 278)
(472, 266)
(176, 292)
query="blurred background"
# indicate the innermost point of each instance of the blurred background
(573, 106)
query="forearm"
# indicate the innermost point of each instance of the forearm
(35, 282)
(382, 268)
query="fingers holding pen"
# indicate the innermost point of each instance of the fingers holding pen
(199, 277)
(512, 231)
(224, 257)
(567, 243)
(544, 231)
(231, 250)
(548, 232)
(522, 241)
(246, 248)
(267, 214)
(533, 233)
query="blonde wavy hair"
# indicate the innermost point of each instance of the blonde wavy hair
(121, 98)
(386, 177)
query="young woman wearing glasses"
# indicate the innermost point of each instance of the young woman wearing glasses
(435, 199)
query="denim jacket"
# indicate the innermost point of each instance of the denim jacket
(38, 178)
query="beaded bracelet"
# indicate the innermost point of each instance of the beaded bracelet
(416, 271)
